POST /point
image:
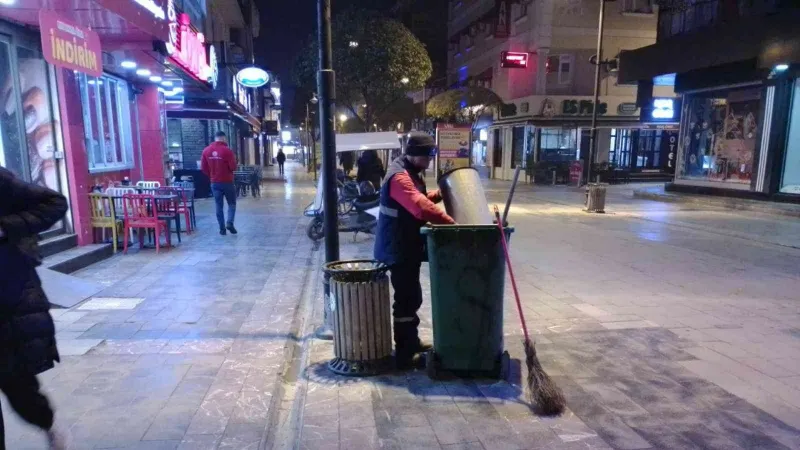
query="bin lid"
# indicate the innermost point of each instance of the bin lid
(356, 270)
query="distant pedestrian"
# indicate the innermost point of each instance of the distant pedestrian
(281, 158)
(27, 333)
(219, 163)
(370, 168)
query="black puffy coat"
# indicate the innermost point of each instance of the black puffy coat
(370, 168)
(27, 332)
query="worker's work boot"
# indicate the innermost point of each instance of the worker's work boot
(405, 361)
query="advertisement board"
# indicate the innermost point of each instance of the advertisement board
(453, 143)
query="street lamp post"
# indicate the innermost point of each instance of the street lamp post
(326, 82)
(598, 63)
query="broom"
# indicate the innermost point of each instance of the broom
(544, 394)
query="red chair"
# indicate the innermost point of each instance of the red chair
(140, 212)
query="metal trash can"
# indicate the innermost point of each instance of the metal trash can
(463, 196)
(467, 269)
(596, 197)
(360, 310)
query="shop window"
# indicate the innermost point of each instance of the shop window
(558, 144)
(790, 183)
(107, 122)
(721, 135)
(517, 147)
(648, 150)
(619, 151)
(637, 6)
(559, 68)
(497, 152)
(11, 137)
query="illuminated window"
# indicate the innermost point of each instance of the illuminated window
(638, 6)
(106, 122)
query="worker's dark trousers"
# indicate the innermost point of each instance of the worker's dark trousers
(22, 391)
(407, 301)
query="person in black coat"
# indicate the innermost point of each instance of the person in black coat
(281, 158)
(27, 332)
(370, 168)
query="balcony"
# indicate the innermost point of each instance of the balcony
(706, 13)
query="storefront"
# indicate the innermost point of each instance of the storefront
(548, 132)
(721, 131)
(790, 170)
(103, 116)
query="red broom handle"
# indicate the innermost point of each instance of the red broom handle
(511, 273)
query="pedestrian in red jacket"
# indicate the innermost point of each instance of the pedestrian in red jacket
(218, 163)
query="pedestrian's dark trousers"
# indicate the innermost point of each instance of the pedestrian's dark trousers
(22, 392)
(407, 301)
(227, 192)
(280, 167)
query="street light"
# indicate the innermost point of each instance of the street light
(313, 147)
(343, 118)
(405, 80)
(598, 62)
(353, 44)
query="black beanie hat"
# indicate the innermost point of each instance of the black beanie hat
(420, 144)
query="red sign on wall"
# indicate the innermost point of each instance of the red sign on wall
(514, 60)
(70, 46)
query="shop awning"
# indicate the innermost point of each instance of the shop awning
(350, 142)
(718, 45)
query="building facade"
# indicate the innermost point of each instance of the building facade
(548, 97)
(740, 119)
(88, 109)
(196, 115)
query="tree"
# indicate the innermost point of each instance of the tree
(462, 105)
(377, 62)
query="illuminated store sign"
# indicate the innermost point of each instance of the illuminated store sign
(663, 109)
(513, 60)
(252, 77)
(188, 47)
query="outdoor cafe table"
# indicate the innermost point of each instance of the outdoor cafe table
(167, 198)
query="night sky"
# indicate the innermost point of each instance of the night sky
(285, 27)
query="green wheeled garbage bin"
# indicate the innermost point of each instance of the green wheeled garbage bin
(467, 270)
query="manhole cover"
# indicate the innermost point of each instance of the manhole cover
(97, 303)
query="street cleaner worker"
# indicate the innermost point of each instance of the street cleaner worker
(405, 207)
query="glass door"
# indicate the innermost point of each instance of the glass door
(11, 136)
(29, 128)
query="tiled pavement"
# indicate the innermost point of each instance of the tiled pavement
(661, 335)
(667, 328)
(192, 355)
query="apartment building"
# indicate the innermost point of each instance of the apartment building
(549, 96)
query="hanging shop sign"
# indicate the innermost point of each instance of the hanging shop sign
(252, 77)
(502, 25)
(513, 60)
(582, 107)
(453, 143)
(669, 147)
(70, 46)
(188, 48)
(627, 109)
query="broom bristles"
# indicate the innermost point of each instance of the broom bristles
(544, 394)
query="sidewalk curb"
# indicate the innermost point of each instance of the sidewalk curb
(786, 210)
(280, 431)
